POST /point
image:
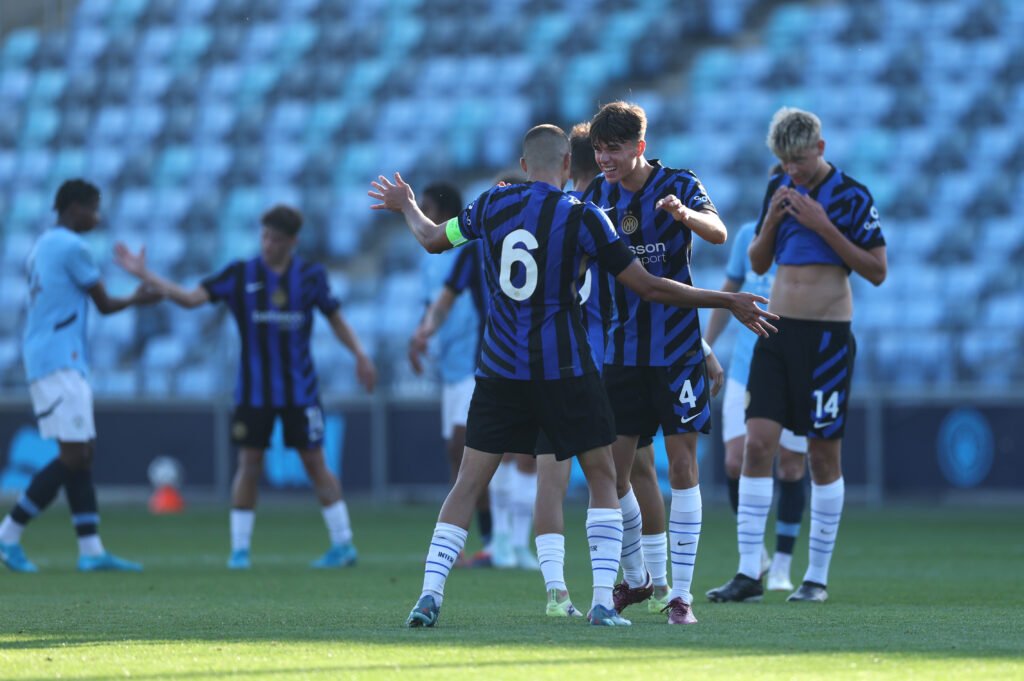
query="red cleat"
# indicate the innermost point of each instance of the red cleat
(624, 596)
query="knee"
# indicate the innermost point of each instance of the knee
(791, 469)
(758, 448)
(733, 467)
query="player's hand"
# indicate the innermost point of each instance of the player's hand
(744, 307)
(715, 372)
(671, 204)
(394, 197)
(145, 294)
(132, 263)
(808, 212)
(417, 349)
(366, 373)
(777, 206)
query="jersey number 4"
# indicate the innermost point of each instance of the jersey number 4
(511, 255)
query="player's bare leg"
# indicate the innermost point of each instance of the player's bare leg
(549, 524)
(334, 509)
(244, 494)
(644, 479)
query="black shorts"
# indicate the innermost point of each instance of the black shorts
(800, 377)
(303, 426)
(675, 398)
(507, 415)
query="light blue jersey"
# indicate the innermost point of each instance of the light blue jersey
(61, 270)
(738, 269)
(458, 337)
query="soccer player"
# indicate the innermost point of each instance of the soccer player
(818, 224)
(63, 276)
(793, 448)
(655, 370)
(535, 371)
(272, 297)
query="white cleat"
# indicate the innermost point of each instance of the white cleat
(778, 581)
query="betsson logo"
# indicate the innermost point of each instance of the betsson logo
(649, 253)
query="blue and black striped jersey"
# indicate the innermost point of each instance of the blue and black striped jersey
(468, 273)
(596, 299)
(274, 314)
(643, 333)
(536, 244)
(849, 206)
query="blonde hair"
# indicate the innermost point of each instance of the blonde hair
(791, 131)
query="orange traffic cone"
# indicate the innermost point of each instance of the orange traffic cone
(166, 499)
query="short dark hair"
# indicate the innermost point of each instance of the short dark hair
(75, 191)
(583, 161)
(618, 122)
(447, 197)
(284, 219)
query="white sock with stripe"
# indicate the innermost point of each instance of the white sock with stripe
(604, 536)
(826, 511)
(339, 529)
(633, 570)
(751, 518)
(10, 531)
(242, 521)
(656, 557)
(445, 546)
(685, 519)
(551, 554)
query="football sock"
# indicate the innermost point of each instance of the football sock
(42, 490)
(655, 548)
(336, 519)
(522, 498)
(485, 525)
(685, 520)
(633, 570)
(791, 510)
(604, 536)
(551, 554)
(734, 493)
(781, 562)
(242, 521)
(444, 550)
(826, 511)
(499, 492)
(751, 517)
(81, 495)
(10, 531)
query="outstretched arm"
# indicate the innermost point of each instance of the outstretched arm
(108, 304)
(135, 264)
(719, 317)
(399, 198)
(365, 371)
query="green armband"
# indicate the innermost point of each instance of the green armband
(454, 234)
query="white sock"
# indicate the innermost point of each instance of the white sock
(445, 546)
(10, 531)
(685, 518)
(826, 510)
(781, 562)
(501, 520)
(751, 518)
(604, 536)
(633, 570)
(551, 554)
(241, 528)
(524, 494)
(90, 546)
(655, 548)
(336, 519)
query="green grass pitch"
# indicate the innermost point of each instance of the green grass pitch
(916, 593)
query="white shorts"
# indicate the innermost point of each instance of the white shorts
(734, 420)
(455, 399)
(62, 402)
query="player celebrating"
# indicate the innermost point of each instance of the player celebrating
(655, 369)
(793, 448)
(272, 298)
(62, 277)
(535, 371)
(818, 224)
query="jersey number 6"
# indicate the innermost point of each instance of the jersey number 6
(511, 255)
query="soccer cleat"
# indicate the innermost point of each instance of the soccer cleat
(559, 605)
(810, 592)
(338, 556)
(107, 562)
(480, 559)
(600, 616)
(624, 596)
(739, 589)
(425, 613)
(658, 600)
(525, 560)
(502, 555)
(778, 580)
(239, 560)
(14, 558)
(679, 612)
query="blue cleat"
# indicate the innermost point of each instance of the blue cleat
(107, 562)
(338, 556)
(601, 616)
(14, 558)
(239, 560)
(425, 613)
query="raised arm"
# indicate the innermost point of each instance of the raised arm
(399, 198)
(365, 371)
(704, 223)
(135, 264)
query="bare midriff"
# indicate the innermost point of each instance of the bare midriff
(815, 292)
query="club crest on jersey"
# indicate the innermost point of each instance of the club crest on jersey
(630, 223)
(279, 298)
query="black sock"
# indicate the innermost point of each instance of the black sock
(483, 519)
(42, 490)
(734, 493)
(792, 499)
(81, 496)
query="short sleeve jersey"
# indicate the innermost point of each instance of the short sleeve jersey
(850, 208)
(644, 333)
(467, 273)
(274, 314)
(738, 269)
(61, 270)
(537, 241)
(458, 338)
